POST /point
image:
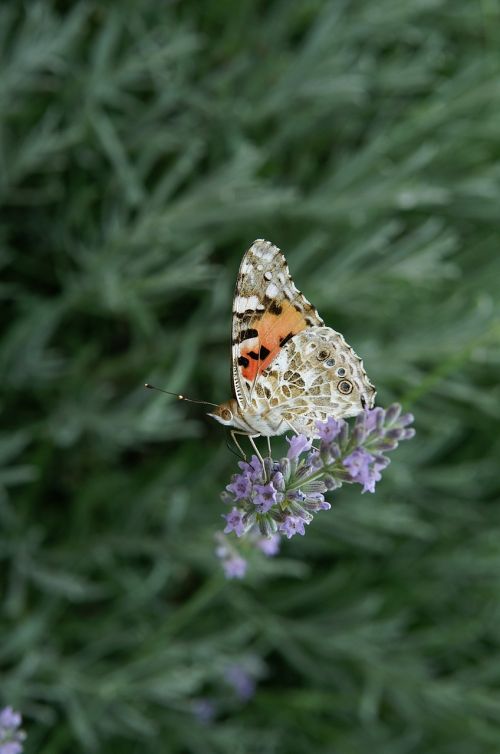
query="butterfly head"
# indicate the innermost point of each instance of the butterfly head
(229, 415)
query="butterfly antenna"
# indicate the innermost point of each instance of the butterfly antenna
(177, 395)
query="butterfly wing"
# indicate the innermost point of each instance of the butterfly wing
(316, 375)
(268, 311)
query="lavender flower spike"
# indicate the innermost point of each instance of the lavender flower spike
(278, 498)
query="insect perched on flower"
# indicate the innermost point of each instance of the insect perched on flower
(289, 370)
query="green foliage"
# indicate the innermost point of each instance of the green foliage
(143, 146)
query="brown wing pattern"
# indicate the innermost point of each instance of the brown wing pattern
(268, 311)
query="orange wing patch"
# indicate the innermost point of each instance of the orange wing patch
(270, 333)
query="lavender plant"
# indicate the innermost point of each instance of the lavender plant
(11, 736)
(273, 499)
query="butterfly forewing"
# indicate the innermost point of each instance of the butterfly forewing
(268, 311)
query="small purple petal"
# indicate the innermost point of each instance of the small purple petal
(330, 429)
(279, 483)
(234, 522)
(374, 419)
(240, 486)
(264, 496)
(358, 464)
(252, 469)
(298, 444)
(292, 525)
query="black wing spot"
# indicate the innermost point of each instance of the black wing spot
(243, 361)
(263, 354)
(286, 339)
(275, 308)
(247, 334)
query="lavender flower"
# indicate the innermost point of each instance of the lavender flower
(240, 486)
(279, 498)
(292, 525)
(11, 737)
(359, 465)
(265, 495)
(329, 430)
(241, 681)
(234, 522)
(298, 444)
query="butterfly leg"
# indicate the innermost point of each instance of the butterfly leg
(292, 427)
(254, 446)
(269, 446)
(233, 436)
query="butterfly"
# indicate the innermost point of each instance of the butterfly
(288, 369)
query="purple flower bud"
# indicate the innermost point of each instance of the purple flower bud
(331, 483)
(286, 468)
(296, 496)
(298, 444)
(394, 434)
(406, 419)
(392, 413)
(314, 459)
(387, 445)
(407, 434)
(374, 419)
(278, 481)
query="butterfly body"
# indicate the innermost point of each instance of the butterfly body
(289, 370)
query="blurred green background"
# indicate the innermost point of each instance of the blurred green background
(143, 146)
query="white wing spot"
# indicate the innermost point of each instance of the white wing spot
(268, 275)
(243, 303)
(272, 290)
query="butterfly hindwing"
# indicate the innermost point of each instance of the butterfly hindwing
(315, 375)
(268, 311)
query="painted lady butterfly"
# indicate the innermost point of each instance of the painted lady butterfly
(288, 369)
